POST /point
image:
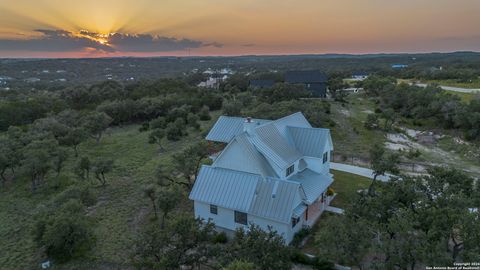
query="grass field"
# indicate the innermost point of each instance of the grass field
(350, 137)
(118, 213)
(466, 97)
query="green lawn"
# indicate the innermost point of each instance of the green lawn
(466, 97)
(346, 186)
(118, 214)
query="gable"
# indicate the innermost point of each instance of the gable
(311, 142)
(240, 154)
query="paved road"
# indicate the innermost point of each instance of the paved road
(358, 171)
(451, 88)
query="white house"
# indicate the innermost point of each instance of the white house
(271, 173)
(359, 76)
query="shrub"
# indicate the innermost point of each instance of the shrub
(82, 193)
(220, 238)
(299, 236)
(65, 232)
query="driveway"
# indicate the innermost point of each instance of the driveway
(365, 172)
(451, 88)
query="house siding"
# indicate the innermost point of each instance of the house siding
(226, 219)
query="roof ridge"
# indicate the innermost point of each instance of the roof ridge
(315, 128)
(228, 169)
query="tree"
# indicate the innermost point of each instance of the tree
(96, 123)
(345, 240)
(168, 199)
(83, 168)
(176, 130)
(265, 249)
(381, 163)
(60, 158)
(390, 118)
(150, 192)
(232, 108)
(204, 113)
(184, 241)
(38, 157)
(336, 86)
(10, 155)
(101, 167)
(65, 233)
(156, 136)
(192, 121)
(74, 137)
(188, 162)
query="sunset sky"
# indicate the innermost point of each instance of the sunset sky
(102, 28)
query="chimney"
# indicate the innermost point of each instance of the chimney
(248, 125)
(274, 189)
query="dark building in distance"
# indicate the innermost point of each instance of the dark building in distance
(261, 83)
(313, 80)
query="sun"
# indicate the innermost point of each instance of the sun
(97, 37)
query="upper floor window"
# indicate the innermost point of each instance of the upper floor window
(290, 170)
(240, 217)
(295, 221)
(213, 209)
(325, 157)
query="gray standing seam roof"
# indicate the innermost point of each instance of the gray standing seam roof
(226, 128)
(226, 188)
(270, 143)
(309, 141)
(314, 184)
(278, 207)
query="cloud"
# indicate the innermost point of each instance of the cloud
(65, 41)
(52, 41)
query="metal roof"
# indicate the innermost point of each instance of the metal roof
(305, 76)
(299, 210)
(314, 184)
(226, 188)
(240, 154)
(274, 146)
(275, 199)
(261, 83)
(226, 128)
(309, 141)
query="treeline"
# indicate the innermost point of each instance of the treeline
(407, 223)
(136, 102)
(422, 105)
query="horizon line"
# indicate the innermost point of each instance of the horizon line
(246, 55)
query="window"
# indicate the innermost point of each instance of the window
(295, 221)
(325, 157)
(213, 209)
(290, 170)
(240, 217)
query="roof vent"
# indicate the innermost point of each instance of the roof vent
(274, 190)
(249, 125)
